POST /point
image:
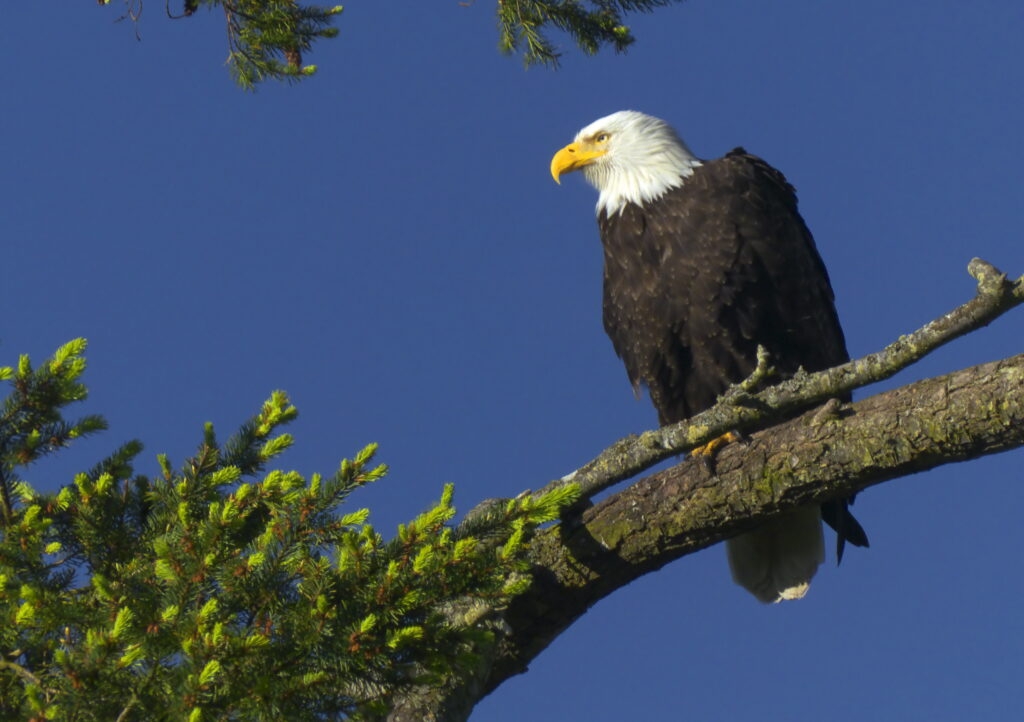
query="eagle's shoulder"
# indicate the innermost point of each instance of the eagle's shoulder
(739, 166)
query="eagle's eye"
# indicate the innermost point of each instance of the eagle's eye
(602, 138)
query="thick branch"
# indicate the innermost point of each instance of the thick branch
(815, 457)
(806, 460)
(961, 416)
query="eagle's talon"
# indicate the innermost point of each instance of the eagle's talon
(709, 451)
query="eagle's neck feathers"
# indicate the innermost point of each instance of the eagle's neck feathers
(646, 159)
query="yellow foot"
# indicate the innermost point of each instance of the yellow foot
(711, 448)
(709, 451)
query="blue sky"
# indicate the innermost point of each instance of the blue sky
(384, 242)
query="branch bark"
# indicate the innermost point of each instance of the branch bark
(825, 453)
(810, 459)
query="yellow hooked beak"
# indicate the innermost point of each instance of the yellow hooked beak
(573, 157)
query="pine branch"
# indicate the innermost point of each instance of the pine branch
(212, 589)
(594, 24)
(268, 38)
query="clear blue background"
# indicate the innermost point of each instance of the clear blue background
(385, 243)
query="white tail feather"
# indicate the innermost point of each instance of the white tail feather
(777, 560)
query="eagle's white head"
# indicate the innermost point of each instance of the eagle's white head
(629, 157)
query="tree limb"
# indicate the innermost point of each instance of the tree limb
(809, 459)
(960, 416)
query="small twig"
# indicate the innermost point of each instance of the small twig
(761, 372)
(189, 9)
(128, 708)
(21, 672)
(6, 505)
(59, 563)
(135, 693)
(132, 14)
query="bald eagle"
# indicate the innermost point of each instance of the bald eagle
(704, 261)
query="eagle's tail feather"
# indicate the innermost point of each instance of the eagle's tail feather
(777, 560)
(836, 514)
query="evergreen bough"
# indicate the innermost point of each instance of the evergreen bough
(268, 38)
(223, 591)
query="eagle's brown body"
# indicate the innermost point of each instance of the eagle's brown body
(695, 281)
(704, 261)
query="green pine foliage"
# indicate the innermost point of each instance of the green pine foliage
(266, 38)
(592, 24)
(221, 590)
(269, 38)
